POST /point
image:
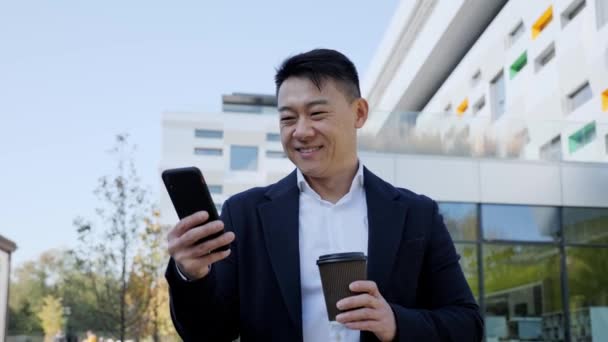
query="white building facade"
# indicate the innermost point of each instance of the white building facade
(498, 110)
(237, 149)
(6, 248)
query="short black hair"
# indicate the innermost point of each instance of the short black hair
(318, 66)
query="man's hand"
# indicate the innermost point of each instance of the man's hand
(369, 311)
(194, 260)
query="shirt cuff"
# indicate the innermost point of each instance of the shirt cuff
(183, 276)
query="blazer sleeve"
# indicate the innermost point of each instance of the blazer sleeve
(207, 309)
(450, 312)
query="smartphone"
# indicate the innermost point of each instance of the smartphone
(189, 194)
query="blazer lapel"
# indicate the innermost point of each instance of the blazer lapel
(386, 218)
(280, 221)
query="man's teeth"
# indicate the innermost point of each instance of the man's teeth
(308, 150)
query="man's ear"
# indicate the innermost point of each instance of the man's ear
(361, 111)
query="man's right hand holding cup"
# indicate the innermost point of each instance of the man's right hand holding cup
(194, 260)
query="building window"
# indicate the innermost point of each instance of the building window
(601, 12)
(476, 78)
(572, 11)
(605, 100)
(275, 154)
(208, 133)
(215, 189)
(243, 158)
(542, 22)
(204, 151)
(519, 64)
(552, 150)
(517, 32)
(448, 107)
(578, 97)
(479, 105)
(273, 137)
(497, 91)
(582, 137)
(461, 220)
(519, 222)
(545, 57)
(462, 107)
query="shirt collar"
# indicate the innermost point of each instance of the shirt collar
(357, 180)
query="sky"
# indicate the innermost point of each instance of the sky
(73, 74)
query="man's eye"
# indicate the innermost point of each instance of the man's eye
(317, 113)
(287, 118)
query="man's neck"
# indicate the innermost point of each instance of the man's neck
(332, 189)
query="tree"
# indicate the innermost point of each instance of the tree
(51, 316)
(107, 251)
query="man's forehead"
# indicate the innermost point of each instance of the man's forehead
(298, 89)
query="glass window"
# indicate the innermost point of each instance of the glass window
(203, 151)
(545, 57)
(585, 225)
(476, 78)
(460, 219)
(588, 290)
(243, 158)
(582, 137)
(516, 33)
(519, 222)
(497, 89)
(215, 189)
(468, 263)
(519, 64)
(522, 293)
(275, 154)
(208, 133)
(581, 95)
(552, 150)
(479, 105)
(273, 137)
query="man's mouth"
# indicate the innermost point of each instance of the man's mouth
(308, 149)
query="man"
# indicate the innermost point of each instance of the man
(267, 286)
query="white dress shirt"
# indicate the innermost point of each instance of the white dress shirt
(326, 228)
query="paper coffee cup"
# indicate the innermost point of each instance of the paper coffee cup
(337, 272)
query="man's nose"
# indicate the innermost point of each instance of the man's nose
(303, 129)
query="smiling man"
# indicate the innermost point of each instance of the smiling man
(267, 286)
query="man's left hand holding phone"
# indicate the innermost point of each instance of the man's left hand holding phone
(198, 240)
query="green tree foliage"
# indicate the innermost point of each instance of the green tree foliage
(51, 316)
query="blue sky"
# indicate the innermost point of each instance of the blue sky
(75, 73)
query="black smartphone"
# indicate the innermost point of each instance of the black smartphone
(189, 193)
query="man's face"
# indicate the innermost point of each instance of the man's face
(319, 127)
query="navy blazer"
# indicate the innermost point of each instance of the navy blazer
(255, 292)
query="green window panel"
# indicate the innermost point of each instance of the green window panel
(581, 137)
(519, 64)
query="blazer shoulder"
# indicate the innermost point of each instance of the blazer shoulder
(417, 200)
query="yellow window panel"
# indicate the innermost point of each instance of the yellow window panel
(605, 100)
(542, 22)
(462, 107)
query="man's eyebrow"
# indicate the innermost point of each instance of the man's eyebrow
(308, 105)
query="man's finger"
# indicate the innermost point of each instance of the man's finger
(364, 314)
(362, 325)
(211, 245)
(217, 256)
(188, 222)
(190, 237)
(366, 286)
(363, 300)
